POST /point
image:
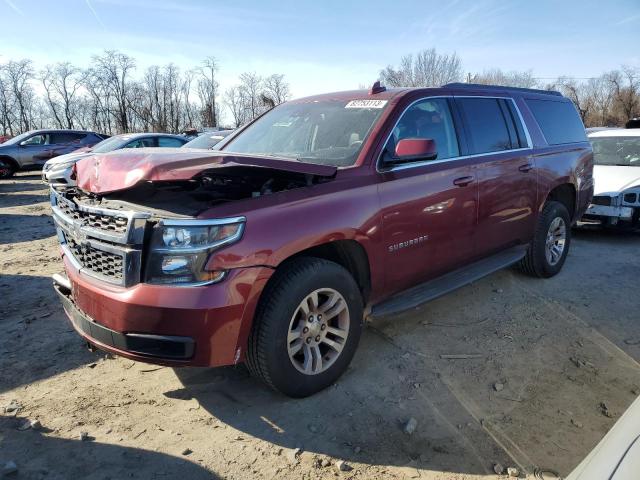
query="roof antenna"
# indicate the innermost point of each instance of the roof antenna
(377, 88)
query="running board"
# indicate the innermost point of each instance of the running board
(449, 282)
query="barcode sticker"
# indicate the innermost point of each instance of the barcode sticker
(366, 104)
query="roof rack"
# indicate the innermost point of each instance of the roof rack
(501, 87)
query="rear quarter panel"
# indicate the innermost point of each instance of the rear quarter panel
(559, 164)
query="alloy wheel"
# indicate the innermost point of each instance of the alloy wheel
(318, 331)
(556, 240)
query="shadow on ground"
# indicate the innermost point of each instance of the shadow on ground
(32, 321)
(361, 418)
(18, 186)
(39, 455)
(21, 199)
(15, 228)
(551, 353)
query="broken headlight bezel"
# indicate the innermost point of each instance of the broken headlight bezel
(179, 250)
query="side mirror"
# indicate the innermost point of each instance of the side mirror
(409, 149)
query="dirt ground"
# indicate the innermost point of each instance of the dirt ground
(565, 352)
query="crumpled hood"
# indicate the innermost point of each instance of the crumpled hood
(123, 169)
(614, 179)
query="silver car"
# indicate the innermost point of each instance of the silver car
(58, 172)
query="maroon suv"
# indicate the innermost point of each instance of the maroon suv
(321, 212)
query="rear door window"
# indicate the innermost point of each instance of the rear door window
(559, 121)
(169, 142)
(142, 143)
(486, 125)
(59, 138)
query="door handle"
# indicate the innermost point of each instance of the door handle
(525, 168)
(463, 181)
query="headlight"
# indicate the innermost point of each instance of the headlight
(180, 249)
(58, 166)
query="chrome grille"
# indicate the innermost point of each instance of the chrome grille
(601, 200)
(102, 243)
(102, 263)
(109, 223)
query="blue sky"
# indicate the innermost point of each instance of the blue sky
(327, 45)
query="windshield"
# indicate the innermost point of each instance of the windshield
(18, 139)
(324, 132)
(623, 151)
(205, 141)
(109, 145)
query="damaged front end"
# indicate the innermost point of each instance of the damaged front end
(157, 229)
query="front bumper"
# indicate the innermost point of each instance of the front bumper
(144, 346)
(169, 325)
(621, 213)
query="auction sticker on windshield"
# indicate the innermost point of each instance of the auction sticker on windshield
(366, 104)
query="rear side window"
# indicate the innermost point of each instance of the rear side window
(559, 121)
(66, 137)
(487, 125)
(141, 143)
(169, 142)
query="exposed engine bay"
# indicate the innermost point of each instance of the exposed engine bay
(205, 190)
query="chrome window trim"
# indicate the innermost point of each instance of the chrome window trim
(460, 157)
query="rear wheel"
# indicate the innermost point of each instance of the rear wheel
(307, 327)
(7, 168)
(548, 250)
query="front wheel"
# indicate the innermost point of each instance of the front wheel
(548, 251)
(307, 327)
(7, 168)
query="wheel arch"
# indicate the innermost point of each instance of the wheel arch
(566, 194)
(350, 254)
(12, 160)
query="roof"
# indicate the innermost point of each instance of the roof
(344, 96)
(615, 132)
(60, 130)
(448, 89)
(148, 134)
(502, 88)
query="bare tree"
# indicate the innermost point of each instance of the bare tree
(233, 97)
(514, 78)
(427, 68)
(18, 75)
(276, 89)
(578, 93)
(626, 86)
(208, 90)
(113, 69)
(6, 105)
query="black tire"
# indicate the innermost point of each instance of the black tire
(535, 262)
(267, 355)
(7, 168)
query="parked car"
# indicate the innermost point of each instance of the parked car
(31, 150)
(4, 138)
(317, 214)
(616, 174)
(208, 140)
(617, 456)
(59, 171)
